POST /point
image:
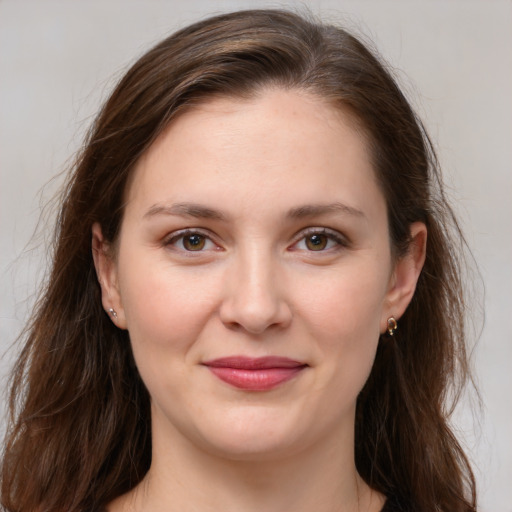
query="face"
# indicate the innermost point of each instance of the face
(254, 274)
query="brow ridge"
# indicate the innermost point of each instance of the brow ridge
(188, 209)
(311, 210)
(185, 210)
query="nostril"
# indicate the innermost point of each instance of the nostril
(255, 318)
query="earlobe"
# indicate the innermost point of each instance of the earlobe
(106, 272)
(405, 275)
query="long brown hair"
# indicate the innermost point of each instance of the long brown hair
(79, 432)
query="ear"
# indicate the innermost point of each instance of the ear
(405, 275)
(106, 271)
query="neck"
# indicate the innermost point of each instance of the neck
(183, 477)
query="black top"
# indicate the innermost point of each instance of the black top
(393, 505)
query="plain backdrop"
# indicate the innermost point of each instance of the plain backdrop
(59, 59)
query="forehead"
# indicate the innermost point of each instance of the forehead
(277, 141)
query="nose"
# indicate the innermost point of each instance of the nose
(255, 296)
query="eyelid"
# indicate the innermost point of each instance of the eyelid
(173, 237)
(333, 234)
(340, 239)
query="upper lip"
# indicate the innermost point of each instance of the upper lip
(254, 363)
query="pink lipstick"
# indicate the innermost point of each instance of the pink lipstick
(255, 374)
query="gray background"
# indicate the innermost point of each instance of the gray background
(59, 59)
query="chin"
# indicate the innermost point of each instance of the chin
(252, 448)
(254, 435)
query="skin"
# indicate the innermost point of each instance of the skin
(256, 288)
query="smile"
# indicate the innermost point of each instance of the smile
(255, 374)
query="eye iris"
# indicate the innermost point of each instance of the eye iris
(193, 242)
(316, 242)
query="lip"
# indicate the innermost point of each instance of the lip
(255, 374)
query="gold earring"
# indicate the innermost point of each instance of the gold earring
(392, 325)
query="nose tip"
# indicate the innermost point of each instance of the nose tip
(255, 304)
(255, 319)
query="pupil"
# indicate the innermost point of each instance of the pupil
(194, 242)
(317, 242)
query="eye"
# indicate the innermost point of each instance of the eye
(194, 242)
(190, 241)
(316, 242)
(319, 240)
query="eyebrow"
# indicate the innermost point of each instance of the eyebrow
(199, 211)
(185, 210)
(312, 210)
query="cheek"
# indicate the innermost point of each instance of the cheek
(347, 301)
(165, 307)
(343, 315)
(165, 310)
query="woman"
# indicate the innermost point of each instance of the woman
(255, 301)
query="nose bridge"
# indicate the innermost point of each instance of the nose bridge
(255, 300)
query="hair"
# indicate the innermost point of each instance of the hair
(80, 427)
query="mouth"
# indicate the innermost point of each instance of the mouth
(255, 374)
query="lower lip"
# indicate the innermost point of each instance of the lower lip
(262, 379)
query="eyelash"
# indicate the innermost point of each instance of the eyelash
(331, 235)
(181, 235)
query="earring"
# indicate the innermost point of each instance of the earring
(392, 325)
(112, 311)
